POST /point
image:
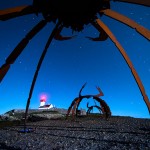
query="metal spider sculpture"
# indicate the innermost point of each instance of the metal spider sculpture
(76, 102)
(74, 14)
(90, 108)
(104, 108)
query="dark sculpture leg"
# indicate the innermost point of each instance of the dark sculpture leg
(36, 73)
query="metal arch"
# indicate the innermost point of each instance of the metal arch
(76, 102)
(90, 108)
(104, 106)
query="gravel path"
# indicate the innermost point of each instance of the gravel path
(118, 133)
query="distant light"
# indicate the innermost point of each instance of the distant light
(43, 97)
(42, 100)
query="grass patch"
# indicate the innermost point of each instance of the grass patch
(9, 123)
(45, 112)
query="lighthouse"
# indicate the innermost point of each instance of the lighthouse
(42, 102)
(43, 105)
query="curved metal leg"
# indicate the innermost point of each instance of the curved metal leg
(19, 48)
(37, 70)
(128, 61)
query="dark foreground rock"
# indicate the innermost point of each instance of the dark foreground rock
(86, 133)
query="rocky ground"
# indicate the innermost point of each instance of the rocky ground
(85, 133)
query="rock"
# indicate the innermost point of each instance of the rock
(38, 117)
(84, 133)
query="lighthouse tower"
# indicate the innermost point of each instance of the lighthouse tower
(43, 105)
(42, 102)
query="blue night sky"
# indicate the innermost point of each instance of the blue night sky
(69, 64)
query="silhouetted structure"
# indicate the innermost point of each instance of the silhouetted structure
(74, 14)
(104, 108)
(90, 108)
(75, 103)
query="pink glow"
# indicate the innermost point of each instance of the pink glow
(43, 97)
(42, 100)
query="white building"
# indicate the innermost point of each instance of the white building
(45, 106)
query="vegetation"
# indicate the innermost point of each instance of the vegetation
(9, 123)
(46, 112)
